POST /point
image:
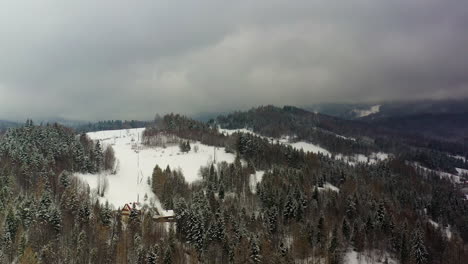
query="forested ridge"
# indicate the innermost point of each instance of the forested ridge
(348, 136)
(307, 208)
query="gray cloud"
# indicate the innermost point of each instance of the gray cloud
(131, 59)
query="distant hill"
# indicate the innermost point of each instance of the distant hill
(441, 126)
(7, 124)
(380, 110)
(442, 132)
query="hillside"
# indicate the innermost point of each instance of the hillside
(451, 127)
(4, 125)
(194, 193)
(350, 137)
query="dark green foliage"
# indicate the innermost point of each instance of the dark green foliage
(418, 250)
(111, 125)
(184, 146)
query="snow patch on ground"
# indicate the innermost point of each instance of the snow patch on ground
(434, 223)
(362, 113)
(328, 187)
(343, 137)
(458, 157)
(372, 257)
(309, 147)
(136, 164)
(462, 172)
(239, 130)
(445, 231)
(360, 158)
(255, 179)
(331, 187)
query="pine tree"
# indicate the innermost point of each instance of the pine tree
(196, 232)
(350, 207)
(315, 195)
(332, 249)
(11, 223)
(381, 215)
(65, 179)
(152, 256)
(98, 156)
(272, 220)
(290, 208)
(44, 204)
(84, 213)
(182, 216)
(346, 229)
(106, 214)
(418, 249)
(255, 256)
(55, 219)
(321, 230)
(221, 191)
(403, 244)
(321, 181)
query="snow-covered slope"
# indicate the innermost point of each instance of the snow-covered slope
(454, 178)
(306, 146)
(313, 148)
(136, 164)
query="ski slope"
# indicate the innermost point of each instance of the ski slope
(136, 163)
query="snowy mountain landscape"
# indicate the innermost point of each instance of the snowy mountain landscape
(234, 132)
(193, 186)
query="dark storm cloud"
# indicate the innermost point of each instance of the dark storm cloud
(131, 59)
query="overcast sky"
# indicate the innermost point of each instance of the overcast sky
(92, 60)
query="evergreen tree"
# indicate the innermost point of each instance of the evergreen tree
(418, 249)
(255, 256)
(11, 223)
(98, 156)
(346, 229)
(65, 179)
(321, 231)
(55, 219)
(106, 214)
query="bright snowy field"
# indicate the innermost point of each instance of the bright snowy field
(135, 167)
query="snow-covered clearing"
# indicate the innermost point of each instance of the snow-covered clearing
(254, 179)
(309, 147)
(372, 257)
(136, 164)
(362, 113)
